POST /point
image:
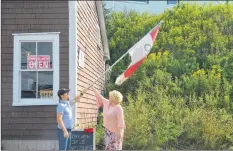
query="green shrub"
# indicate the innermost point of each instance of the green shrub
(181, 97)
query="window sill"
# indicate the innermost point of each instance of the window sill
(35, 102)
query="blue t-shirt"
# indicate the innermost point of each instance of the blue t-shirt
(64, 108)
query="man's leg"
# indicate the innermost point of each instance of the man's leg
(69, 140)
(62, 141)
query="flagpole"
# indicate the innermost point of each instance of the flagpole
(84, 91)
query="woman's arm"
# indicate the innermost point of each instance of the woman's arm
(120, 133)
(121, 122)
(100, 100)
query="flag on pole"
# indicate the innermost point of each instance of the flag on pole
(138, 53)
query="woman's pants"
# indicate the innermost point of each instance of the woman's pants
(111, 141)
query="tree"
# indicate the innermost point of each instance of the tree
(181, 97)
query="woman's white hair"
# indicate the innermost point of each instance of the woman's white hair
(115, 96)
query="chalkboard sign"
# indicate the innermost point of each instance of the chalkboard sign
(81, 140)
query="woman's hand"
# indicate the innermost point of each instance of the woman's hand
(120, 133)
(118, 136)
(93, 89)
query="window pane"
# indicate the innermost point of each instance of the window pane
(45, 84)
(28, 84)
(27, 48)
(172, 2)
(45, 50)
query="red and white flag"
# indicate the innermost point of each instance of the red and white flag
(138, 54)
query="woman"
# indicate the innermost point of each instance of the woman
(113, 116)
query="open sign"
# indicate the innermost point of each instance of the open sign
(38, 62)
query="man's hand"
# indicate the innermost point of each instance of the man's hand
(66, 134)
(77, 98)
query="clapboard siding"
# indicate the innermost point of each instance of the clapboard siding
(87, 20)
(34, 122)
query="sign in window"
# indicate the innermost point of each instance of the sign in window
(36, 70)
(38, 62)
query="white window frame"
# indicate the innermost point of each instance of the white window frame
(35, 37)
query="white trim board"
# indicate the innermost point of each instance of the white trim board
(73, 70)
(42, 33)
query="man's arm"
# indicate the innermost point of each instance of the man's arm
(60, 122)
(77, 98)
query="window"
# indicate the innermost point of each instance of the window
(36, 69)
(172, 2)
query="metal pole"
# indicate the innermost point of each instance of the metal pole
(84, 91)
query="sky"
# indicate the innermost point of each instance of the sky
(153, 6)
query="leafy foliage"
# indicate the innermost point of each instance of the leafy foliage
(182, 95)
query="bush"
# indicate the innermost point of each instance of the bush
(181, 97)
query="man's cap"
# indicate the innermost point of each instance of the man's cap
(62, 91)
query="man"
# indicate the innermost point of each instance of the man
(64, 118)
